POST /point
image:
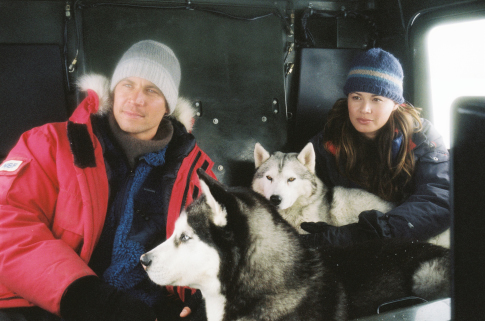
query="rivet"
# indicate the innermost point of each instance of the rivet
(215, 121)
(220, 168)
(264, 119)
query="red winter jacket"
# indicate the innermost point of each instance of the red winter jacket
(52, 209)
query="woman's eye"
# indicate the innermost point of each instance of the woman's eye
(269, 178)
(291, 179)
(355, 97)
(184, 237)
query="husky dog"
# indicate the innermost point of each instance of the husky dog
(289, 181)
(249, 264)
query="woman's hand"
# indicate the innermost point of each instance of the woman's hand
(323, 234)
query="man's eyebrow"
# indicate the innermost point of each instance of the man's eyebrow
(153, 87)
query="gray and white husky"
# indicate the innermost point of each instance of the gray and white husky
(249, 264)
(289, 181)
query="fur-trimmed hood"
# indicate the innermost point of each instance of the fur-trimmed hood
(184, 111)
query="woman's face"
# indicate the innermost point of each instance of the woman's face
(369, 112)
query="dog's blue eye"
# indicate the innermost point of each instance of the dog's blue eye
(184, 237)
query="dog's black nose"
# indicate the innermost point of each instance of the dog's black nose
(145, 261)
(275, 200)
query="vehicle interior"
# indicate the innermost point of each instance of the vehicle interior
(268, 71)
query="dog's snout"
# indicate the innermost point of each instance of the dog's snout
(145, 261)
(275, 199)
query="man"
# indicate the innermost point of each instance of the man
(81, 201)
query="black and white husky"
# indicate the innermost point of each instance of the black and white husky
(249, 264)
(289, 181)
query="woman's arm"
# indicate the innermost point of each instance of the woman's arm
(426, 213)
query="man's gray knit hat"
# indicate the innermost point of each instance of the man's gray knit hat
(152, 61)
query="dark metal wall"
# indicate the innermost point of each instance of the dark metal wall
(260, 71)
(231, 68)
(32, 88)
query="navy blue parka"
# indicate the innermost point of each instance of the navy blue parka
(426, 212)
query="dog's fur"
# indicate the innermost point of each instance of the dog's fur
(249, 264)
(289, 181)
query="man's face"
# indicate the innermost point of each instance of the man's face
(139, 107)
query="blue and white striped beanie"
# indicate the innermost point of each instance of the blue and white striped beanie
(152, 61)
(377, 72)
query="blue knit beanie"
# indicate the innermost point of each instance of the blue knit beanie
(377, 72)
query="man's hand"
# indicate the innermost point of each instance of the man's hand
(185, 312)
(88, 298)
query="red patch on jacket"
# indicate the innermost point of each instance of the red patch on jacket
(412, 145)
(331, 148)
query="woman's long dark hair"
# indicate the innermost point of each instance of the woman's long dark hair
(370, 163)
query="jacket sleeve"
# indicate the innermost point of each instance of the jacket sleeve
(34, 264)
(426, 213)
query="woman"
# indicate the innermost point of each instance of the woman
(375, 141)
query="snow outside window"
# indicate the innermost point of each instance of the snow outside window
(457, 68)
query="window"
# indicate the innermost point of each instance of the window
(456, 55)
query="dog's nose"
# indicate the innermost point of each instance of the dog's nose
(145, 261)
(275, 200)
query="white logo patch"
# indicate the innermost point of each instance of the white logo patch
(10, 166)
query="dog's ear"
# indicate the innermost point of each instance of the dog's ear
(307, 157)
(260, 155)
(214, 192)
